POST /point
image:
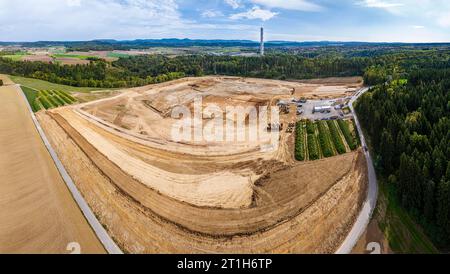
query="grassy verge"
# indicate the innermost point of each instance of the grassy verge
(403, 234)
(32, 95)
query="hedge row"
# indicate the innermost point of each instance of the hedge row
(65, 96)
(336, 137)
(45, 102)
(300, 142)
(313, 148)
(325, 139)
(310, 127)
(52, 100)
(343, 125)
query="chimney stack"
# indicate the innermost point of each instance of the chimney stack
(261, 47)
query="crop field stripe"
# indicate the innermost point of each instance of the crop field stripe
(45, 102)
(345, 129)
(60, 101)
(344, 141)
(336, 137)
(53, 101)
(46, 99)
(299, 142)
(65, 96)
(325, 140)
(305, 141)
(313, 148)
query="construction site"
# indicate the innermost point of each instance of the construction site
(156, 194)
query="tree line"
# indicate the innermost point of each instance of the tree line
(149, 69)
(408, 122)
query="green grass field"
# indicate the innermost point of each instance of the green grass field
(15, 57)
(403, 234)
(44, 85)
(118, 55)
(31, 95)
(63, 55)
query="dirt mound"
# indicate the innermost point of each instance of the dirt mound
(157, 195)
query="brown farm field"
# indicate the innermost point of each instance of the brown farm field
(156, 194)
(37, 211)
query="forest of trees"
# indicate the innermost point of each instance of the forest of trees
(376, 64)
(149, 69)
(97, 74)
(408, 123)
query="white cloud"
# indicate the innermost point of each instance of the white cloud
(387, 5)
(380, 4)
(301, 5)
(418, 27)
(212, 14)
(255, 13)
(234, 3)
(431, 11)
(82, 19)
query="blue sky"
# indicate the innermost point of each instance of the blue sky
(293, 20)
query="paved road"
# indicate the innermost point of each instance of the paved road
(369, 205)
(98, 229)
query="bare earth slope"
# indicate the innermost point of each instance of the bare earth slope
(157, 195)
(37, 211)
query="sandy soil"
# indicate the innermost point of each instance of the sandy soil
(37, 211)
(156, 195)
(143, 221)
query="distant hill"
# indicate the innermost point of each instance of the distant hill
(109, 44)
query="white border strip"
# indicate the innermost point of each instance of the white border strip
(110, 246)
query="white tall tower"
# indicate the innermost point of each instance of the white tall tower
(261, 47)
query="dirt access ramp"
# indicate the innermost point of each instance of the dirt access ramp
(37, 211)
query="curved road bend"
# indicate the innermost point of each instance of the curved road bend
(369, 205)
